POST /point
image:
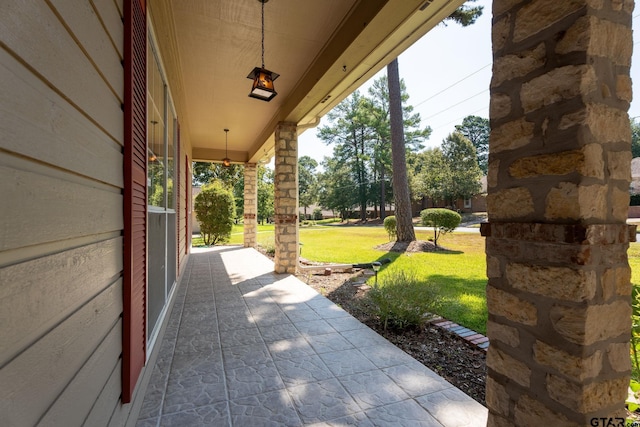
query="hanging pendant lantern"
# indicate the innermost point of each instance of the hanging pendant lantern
(263, 87)
(262, 84)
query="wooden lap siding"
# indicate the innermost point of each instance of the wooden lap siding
(61, 239)
(135, 195)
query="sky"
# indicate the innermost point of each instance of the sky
(447, 74)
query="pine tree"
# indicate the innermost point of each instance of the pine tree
(404, 223)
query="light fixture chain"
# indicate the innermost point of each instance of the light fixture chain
(226, 142)
(262, 33)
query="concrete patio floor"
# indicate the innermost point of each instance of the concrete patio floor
(246, 347)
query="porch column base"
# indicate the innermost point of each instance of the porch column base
(559, 321)
(286, 198)
(250, 205)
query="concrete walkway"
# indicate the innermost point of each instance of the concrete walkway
(247, 347)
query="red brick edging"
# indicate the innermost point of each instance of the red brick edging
(472, 336)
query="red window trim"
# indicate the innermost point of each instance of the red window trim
(176, 185)
(187, 205)
(134, 314)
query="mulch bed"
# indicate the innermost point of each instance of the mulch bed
(414, 246)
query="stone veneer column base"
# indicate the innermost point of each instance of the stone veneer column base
(250, 205)
(286, 198)
(559, 293)
(559, 321)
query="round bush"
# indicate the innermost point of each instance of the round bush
(215, 211)
(317, 214)
(442, 221)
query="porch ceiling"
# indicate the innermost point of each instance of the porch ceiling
(323, 50)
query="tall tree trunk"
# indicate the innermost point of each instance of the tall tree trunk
(363, 195)
(363, 188)
(359, 166)
(383, 190)
(375, 200)
(404, 225)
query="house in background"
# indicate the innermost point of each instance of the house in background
(634, 187)
(475, 204)
(105, 104)
(310, 212)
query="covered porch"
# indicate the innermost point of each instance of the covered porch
(106, 104)
(246, 346)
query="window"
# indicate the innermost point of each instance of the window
(161, 214)
(467, 203)
(156, 155)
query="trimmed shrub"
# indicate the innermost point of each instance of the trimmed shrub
(400, 301)
(317, 214)
(390, 226)
(215, 210)
(442, 220)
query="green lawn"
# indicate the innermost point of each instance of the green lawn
(634, 262)
(459, 274)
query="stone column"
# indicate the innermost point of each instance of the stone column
(250, 204)
(286, 198)
(559, 281)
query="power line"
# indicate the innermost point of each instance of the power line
(456, 104)
(460, 118)
(454, 84)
